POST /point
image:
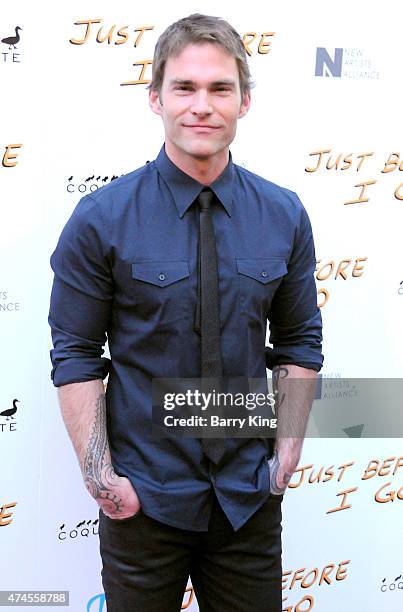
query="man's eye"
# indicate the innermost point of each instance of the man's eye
(188, 88)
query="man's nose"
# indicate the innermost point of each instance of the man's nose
(201, 103)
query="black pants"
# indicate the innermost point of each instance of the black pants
(146, 564)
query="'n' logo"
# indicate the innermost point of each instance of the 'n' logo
(327, 66)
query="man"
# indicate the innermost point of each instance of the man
(128, 264)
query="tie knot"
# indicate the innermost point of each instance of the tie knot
(205, 198)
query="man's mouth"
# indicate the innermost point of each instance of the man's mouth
(202, 128)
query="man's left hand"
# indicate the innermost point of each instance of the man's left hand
(283, 464)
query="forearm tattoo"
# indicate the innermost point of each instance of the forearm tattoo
(99, 475)
(278, 373)
(293, 400)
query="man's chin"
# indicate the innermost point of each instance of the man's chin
(202, 152)
(198, 150)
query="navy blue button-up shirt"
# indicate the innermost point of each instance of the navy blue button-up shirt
(125, 271)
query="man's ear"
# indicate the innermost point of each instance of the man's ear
(155, 101)
(246, 101)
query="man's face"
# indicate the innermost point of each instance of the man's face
(200, 88)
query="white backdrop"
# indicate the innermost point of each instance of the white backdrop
(66, 108)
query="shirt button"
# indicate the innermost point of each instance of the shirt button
(263, 273)
(161, 276)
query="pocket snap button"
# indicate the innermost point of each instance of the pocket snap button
(161, 277)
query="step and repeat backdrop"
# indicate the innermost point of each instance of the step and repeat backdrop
(325, 121)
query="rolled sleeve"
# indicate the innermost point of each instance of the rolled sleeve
(295, 320)
(81, 297)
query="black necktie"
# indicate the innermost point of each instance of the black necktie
(207, 320)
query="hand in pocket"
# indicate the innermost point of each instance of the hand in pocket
(120, 500)
(274, 465)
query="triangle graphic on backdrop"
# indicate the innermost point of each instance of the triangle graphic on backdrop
(355, 431)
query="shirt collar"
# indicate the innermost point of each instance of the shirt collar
(185, 189)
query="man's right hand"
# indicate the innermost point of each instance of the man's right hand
(83, 407)
(129, 503)
(115, 495)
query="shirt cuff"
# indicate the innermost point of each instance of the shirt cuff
(80, 370)
(304, 357)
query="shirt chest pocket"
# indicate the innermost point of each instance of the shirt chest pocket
(258, 282)
(161, 291)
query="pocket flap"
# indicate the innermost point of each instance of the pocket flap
(161, 273)
(262, 270)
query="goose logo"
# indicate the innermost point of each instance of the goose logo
(7, 417)
(12, 42)
(89, 184)
(344, 63)
(400, 290)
